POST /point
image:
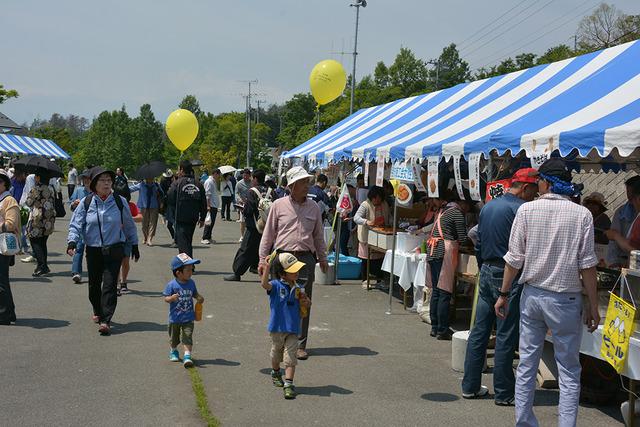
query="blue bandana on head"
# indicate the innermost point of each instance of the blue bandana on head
(559, 186)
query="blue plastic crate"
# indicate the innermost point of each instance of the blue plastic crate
(349, 266)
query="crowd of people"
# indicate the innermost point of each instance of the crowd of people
(534, 246)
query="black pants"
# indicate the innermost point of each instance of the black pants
(247, 256)
(184, 237)
(7, 308)
(70, 188)
(171, 230)
(226, 206)
(375, 268)
(306, 277)
(206, 235)
(40, 252)
(440, 300)
(103, 277)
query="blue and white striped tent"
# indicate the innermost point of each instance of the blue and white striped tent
(14, 144)
(590, 102)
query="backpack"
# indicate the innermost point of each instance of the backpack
(264, 204)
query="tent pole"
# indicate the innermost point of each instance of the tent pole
(393, 254)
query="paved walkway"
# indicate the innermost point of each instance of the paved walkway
(365, 367)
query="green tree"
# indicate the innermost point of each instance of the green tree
(450, 69)
(146, 137)
(408, 73)
(107, 142)
(605, 27)
(7, 93)
(556, 53)
(381, 75)
(190, 102)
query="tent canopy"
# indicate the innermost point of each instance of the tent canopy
(583, 103)
(14, 144)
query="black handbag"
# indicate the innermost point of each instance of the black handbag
(59, 205)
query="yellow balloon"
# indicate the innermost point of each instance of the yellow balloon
(182, 128)
(327, 81)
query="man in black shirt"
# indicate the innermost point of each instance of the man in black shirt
(247, 256)
(187, 198)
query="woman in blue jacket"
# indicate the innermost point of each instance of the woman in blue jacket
(105, 224)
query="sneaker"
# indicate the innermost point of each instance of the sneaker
(41, 273)
(276, 378)
(174, 356)
(446, 336)
(149, 243)
(28, 259)
(187, 362)
(104, 329)
(480, 393)
(95, 319)
(124, 289)
(77, 278)
(240, 240)
(509, 402)
(205, 242)
(231, 278)
(290, 392)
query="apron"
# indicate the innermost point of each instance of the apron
(363, 247)
(447, 277)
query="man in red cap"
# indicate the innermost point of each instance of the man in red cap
(494, 227)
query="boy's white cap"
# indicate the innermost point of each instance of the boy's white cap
(297, 173)
(290, 263)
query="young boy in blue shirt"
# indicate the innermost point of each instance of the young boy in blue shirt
(285, 299)
(179, 293)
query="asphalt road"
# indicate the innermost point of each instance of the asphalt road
(365, 367)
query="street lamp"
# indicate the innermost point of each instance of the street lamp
(357, 5)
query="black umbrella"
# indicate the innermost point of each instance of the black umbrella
(150, 170)
(196, 163)
(36, 164)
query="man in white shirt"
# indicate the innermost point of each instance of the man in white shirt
(72, 179)
(213, 204)
(552, 244)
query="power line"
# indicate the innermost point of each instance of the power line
(542, 35)
(461, 44)
(516, 43)
(511, 27)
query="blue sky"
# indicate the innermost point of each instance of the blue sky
(83, 57)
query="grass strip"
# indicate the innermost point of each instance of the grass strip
(201, 399)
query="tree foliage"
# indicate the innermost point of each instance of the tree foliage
(606, 27)
(7, 93)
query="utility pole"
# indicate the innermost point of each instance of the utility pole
(248, 106)
(357, 5)
(437, 64)
(575, 43)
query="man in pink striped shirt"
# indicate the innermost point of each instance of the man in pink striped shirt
(295, 225)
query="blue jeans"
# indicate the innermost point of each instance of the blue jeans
(76, 266)
(561, 312)
(440, 301)
(506, 336)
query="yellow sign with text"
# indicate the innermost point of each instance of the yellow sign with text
(618, 327)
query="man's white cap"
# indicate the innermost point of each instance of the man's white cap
(297, 173)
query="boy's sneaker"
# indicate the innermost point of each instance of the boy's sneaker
(187, 362)
(276, 377)
(174, 356)
(290, 392)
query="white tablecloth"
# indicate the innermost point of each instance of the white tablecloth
(410, 268)
(591, 345)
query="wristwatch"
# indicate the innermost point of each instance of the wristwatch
(503, 294)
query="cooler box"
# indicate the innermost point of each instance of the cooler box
(349, 267)
(322, 278)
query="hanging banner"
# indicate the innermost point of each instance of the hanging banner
(366, 171)
(474, 176)
(402, 172)
(432, 176)
(417, 177)
(618, 327)
(497, 189)
(458, 177)
(380, 172)
(345, 205)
